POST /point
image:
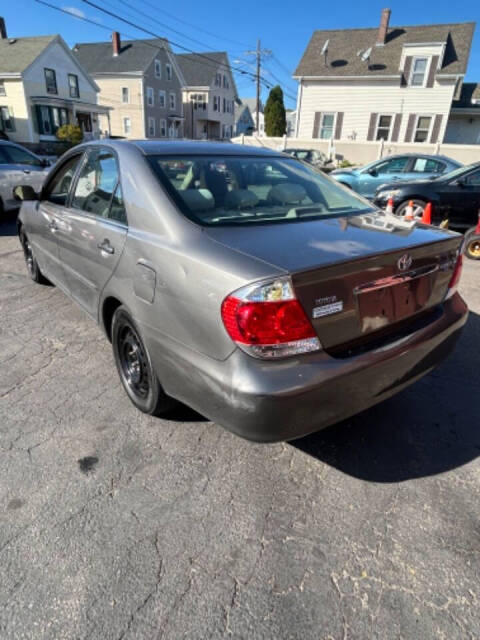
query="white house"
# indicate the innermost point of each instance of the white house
(42, 86)
(399, 84)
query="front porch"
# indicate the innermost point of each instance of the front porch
(48, 114)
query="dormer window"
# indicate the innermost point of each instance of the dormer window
(419, 71)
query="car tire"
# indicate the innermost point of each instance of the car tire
(471, 245)
(417, 204)
(135, 368)
(32, 265)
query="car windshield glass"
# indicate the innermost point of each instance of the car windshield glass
(231, 190)
(452, 174)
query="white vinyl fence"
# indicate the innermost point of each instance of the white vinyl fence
(359, 153)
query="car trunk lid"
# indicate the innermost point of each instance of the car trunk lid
(354, 277)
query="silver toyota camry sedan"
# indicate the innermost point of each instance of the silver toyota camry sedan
(243, 283)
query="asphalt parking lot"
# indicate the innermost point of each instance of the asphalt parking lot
(115, 525)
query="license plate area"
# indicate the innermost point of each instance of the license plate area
(394, 298)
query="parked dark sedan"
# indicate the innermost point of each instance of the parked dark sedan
(252, 288)
(455, 197)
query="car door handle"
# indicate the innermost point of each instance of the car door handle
(52, 225)
(106, 247)
(26, 171)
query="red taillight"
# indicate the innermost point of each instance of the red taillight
(455, 279)
(265, 322)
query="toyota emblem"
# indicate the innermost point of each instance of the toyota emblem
(405, 262)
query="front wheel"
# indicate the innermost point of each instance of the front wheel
(471, 245)
(32, 265)
(135, 368)
(418, 207)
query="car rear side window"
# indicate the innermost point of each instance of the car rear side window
(3, 156)
(96, 183)
(58, 187)
(231, 190)
(427, 165)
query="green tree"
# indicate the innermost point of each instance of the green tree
(275, 117)
(70, 133)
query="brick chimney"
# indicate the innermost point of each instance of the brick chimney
(3, 29)
(116, 43)
(383, 28)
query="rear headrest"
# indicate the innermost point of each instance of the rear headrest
(198, 199)
(287, 193)
(240, 199)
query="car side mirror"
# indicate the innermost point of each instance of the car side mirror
(46, 163)
(461, 182)
(372, 172)
(25, 192)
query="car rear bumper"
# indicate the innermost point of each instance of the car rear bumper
(273, 401)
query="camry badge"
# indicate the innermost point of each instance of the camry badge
(405, 262)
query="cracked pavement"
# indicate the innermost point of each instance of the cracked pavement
(115, 525)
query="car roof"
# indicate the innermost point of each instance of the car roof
(422, 155)
(192, 147)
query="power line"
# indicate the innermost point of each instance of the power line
(209, 33)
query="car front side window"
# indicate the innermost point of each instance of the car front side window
(19, 156)
(96, 183)
(395, 165)
(58, 187)
(473, 179)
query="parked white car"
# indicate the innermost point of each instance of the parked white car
(18, 166)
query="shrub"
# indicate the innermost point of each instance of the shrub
(70, 133)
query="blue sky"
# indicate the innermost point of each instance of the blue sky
(284, 27)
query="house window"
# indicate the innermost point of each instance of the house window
(326, 125)
(151, 127)
(163, 128)
(125, 95)
(7, 122)
(150, 98)
(161, 99)
(419, 68)
(384, 124)
(422, 129)
(215, 103)
(2, 88)
(127, 125)
(226, 84)
(158, 69)
(224, 105)
(50, 118)
(73, 85)
(199, 101)
(172, 102)
(50, 81)
(168, 69)
(218, 79)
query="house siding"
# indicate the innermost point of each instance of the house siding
(169, 86)
(463, 130)
(358, 101)
(16, 102)
(111, 96)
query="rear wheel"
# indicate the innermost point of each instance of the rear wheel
(471, 245)
(418, 207)
(135, 368)
(32, 265)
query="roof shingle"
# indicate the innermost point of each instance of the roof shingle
(16, 54)
(344, 45)
(134, 57)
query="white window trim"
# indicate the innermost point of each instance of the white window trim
(3, 88)
(150, 95)
(124, 119)
(328, 113)
(127, 101)
(162, 93)
(170, 96)
(423, 115)
(425, 75)
(168, 72)
(151, 121)
(164, 127)
(390, 131)
(158, 67)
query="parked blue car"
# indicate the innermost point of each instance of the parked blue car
(407, 166)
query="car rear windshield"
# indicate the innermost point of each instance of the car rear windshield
(232, 190)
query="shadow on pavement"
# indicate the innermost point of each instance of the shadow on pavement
(8, 224)
(430, 428)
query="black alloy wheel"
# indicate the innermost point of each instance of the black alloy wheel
(32, 265)
(134, 367)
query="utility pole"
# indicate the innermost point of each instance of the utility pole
(258, 53)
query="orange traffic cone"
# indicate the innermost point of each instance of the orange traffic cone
(427, 214)
(389, 207)
(409, 211)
